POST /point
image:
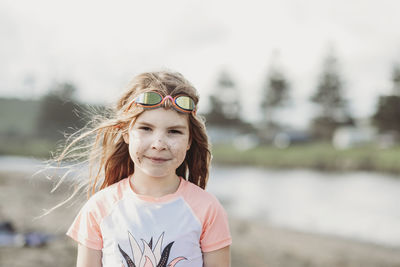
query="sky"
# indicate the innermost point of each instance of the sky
(101, 45)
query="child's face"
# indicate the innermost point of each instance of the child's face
(158, 142)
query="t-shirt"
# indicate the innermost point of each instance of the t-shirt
(137, 230)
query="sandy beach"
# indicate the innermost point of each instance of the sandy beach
(255, 243)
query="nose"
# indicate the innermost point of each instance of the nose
(159, 143)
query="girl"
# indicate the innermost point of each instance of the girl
(151, 162)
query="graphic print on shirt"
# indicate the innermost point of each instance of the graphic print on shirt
(149, 257)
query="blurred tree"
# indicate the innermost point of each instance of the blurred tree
(59, 111)
(396, 79)
(386, 118)
(387, 115)
(329, 98)
(224, 102)
(276, 95)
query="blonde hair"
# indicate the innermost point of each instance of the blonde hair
(100, 145)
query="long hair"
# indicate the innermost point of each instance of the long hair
(101, 147)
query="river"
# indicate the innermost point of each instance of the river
(357, 205)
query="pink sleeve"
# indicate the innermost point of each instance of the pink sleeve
(86, 227)
(216, 232)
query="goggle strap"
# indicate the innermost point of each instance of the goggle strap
(168, 97)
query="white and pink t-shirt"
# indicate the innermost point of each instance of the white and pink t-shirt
(143, 231)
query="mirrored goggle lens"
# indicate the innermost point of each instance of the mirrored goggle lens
(184, 102)
(149, 99)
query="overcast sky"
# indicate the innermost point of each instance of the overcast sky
(100, 45)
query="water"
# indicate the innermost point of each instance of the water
(357, 205)
(20, 164)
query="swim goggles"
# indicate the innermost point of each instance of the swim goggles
(181, 103)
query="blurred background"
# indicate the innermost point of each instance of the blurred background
(301, 101)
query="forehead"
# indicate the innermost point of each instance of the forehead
(163, 117)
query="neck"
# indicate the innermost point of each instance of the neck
(154, 186)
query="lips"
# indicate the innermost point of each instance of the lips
(158, 159)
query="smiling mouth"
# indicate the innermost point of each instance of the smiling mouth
(157, 160)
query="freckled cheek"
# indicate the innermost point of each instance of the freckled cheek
(137, 147)
(178, 148)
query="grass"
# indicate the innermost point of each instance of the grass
(320, 156)
(38, 148)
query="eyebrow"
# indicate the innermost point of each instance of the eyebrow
(178, 126)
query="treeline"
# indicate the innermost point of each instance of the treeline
(37, 127)
(329, 98)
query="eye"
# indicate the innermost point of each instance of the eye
(175, 131)
(145, 128)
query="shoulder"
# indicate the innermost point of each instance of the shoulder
(202, 203)
(104, 200)
(114, 191)
(195, 193)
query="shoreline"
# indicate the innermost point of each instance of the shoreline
(315, 156)
(286, 247)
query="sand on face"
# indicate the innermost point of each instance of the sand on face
(255, 243)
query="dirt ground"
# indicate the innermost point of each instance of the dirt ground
(23, 198)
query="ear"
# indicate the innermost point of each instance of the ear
(126, 138)
(189, 144)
